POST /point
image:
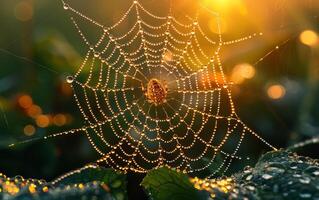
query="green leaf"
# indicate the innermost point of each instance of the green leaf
(277, 175)
(165, 184)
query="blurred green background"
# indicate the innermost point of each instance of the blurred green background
(278, 96)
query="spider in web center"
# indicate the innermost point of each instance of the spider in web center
(156, 91)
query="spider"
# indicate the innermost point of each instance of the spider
(156, 91)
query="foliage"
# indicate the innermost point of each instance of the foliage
(164, 183)
(90, 182)
(277, 175)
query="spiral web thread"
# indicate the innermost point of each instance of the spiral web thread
(190, 129)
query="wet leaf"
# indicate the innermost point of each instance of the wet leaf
(163, 183)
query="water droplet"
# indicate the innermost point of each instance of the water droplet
(249, 177)
(305, 180)
(266, 176)
(234, 196)
(305, 195)
(66, 7)
(293, 165)
(276, 164)
(96, 54)
(247, 169)
(250, 187)
(275, 170)
(69, 79)
(312, 170)
(235, 190)
(297, 175)
(18, 178)
(92, 165)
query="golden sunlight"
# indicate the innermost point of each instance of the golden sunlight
(223, 6)
(241, 72)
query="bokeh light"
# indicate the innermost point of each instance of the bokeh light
(23, 11)
(43, 121)
(59, 120)
(309, 37)
(25, 101)
(34, 111)
(276, 91)
(29, 130)
(241, 72)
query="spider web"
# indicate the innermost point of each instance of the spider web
(190, 130)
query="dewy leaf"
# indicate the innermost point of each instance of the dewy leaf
(277, 175)
(165, 184)
(90, 182)
(18, 188)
